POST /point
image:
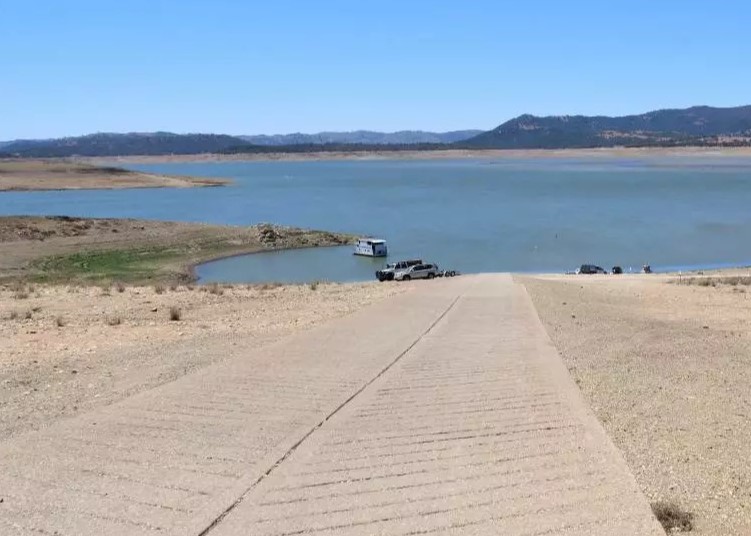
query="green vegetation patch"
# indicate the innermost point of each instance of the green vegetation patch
(133, 265)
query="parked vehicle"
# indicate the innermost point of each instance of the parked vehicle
(387, 273)
(371, 247)
(418, 271)
(590, 269)
(617, 270)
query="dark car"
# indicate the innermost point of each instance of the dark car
(590, 269)
(617, 270)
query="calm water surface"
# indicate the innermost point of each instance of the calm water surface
(470, 215)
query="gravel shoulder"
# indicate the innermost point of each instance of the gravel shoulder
(65, 350)
(666, 368)
(63, 174)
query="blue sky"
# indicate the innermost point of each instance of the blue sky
(247, 67)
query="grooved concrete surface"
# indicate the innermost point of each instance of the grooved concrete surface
(442, 411)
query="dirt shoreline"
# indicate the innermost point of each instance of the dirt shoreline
(21, 175)
(665, 363)
(102, 250)
(651, 152)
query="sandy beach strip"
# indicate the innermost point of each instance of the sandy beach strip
(666, 368)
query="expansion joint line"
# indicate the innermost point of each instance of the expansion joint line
(310, 432)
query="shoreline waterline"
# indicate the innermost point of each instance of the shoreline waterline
(372, 264)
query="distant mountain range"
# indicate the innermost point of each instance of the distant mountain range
(161, 143)
(699, 125)
(363, 137)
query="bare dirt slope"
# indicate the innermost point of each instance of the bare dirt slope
(60, 174)
(667, 369)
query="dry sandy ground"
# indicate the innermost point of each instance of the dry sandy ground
(66, 349)
(62, 174)
(667, 369)
(646, 152)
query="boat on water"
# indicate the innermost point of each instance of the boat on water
(371, 247)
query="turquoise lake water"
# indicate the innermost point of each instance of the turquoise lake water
(525, 215)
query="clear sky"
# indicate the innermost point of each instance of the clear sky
(246, 67)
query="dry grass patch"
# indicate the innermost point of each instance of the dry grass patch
(13, 315)
(733, 281)
(215, 289)
(672, 517)
(120, 287)
(271, 285)
(59, 321)
(114, 320)
(159, 289)
(175, 313)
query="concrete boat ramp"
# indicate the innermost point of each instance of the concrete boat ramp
(444, 410)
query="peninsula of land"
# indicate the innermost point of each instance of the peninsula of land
(18, 174)
(62, 249)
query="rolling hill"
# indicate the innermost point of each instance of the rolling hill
(699, 125)
(104, 144)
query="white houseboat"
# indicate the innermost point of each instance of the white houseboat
(371, 247)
